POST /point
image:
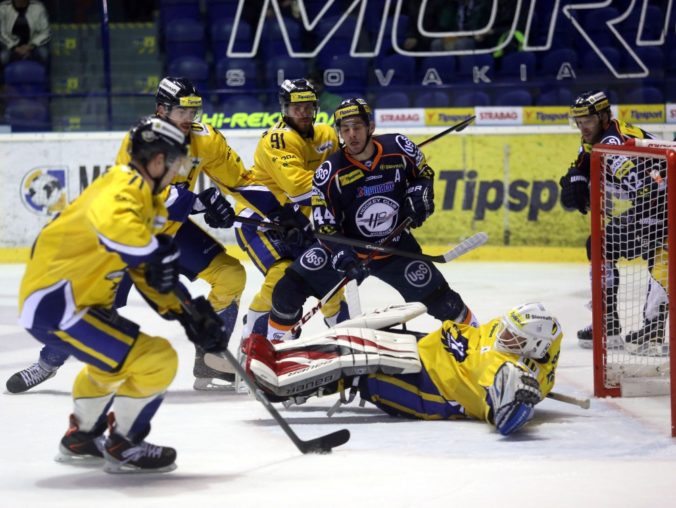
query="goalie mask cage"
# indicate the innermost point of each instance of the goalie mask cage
(632, 276)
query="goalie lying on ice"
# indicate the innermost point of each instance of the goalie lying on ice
(496, 372)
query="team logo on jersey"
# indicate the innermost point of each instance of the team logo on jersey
(611, 140)
(370, 190)
(418, 274)
(324, 147)
(455, 343)
(322, 173)
(351, 177)
(314, 259)
(43, 191)
(377, 216)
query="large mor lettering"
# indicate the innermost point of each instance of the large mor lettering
(626, 28)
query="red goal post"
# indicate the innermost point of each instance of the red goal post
(632, 271)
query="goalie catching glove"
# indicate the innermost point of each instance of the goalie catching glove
(218, 213)
(512, 398)
(575, 190)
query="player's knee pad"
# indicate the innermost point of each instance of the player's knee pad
(288, 298)
(149, 368)
(227, 279)
(444, 303)
(262, 301)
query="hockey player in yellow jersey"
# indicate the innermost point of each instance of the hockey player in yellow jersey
(284, 162)
(202, 256)
(496, 372)
(67, 302)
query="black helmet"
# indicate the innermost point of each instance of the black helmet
(590, 103)
(153, 135)
(178, 92)
(353, 106)
(294, 91)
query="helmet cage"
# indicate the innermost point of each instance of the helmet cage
(297, 91)
(179, 93)
(528, 330)
(588, 103)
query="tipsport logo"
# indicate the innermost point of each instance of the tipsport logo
(43, 190)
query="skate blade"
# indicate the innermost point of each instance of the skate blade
(115, 467)
(655, 350)
(212, 385)
(78, 460)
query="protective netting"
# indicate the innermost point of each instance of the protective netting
(634, 265)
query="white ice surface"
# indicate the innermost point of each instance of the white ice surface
(232, 454)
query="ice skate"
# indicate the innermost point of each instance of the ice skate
(30, 377)
(79, 447)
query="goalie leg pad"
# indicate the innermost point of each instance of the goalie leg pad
(391, 315)
(513, 395)
(304, 365)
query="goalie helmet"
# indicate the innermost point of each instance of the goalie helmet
(353, 107)
(178, 92)
(528, 330)
(153, 135)
(293, 91)
(590, 103)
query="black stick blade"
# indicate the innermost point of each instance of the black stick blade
(325, 444)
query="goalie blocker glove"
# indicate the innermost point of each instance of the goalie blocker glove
(575, 190)
(419, 202)
(161, 270)
(218, 213)
(513, 396)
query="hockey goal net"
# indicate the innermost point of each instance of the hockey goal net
(633, 207)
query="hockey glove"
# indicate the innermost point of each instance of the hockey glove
(297, 228)
(345, 260)
(575, 191)
(218, 213)
(419, 202)
(206, 330)
(161, 270)
(513, 395)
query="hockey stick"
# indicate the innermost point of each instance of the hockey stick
(583, 403)
(296, 328)
(453, 128)
(471, 243)
(322, 444)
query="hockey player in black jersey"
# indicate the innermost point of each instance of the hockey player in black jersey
(592, 115)
(364, 191)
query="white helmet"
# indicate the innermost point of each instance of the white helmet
(528, 330)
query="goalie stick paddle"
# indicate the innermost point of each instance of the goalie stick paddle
(583, 403)
(467, 245)
(296, 328)
(322, 444)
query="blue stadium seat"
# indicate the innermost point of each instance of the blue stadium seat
(237, 73)
(671, 63)
(333, 47)
(291, 68)
(432, 99)
(511, 64)
(403, 67)
(346, 29)
(221, 9)
(518, 97)
(644, 95)
(185, 37)
(471, 99)
(25, 77)
(555, 97)
(193, 68)
(172, 10)
(27, 115)
(241, 104)
(467, 63)
(221, 30)
(595, 25)
(551, 61)
(392, 100)
(653, 58)
(355, 71)
(272, 39)
(592, 64)
(443, 66)
(402, 28)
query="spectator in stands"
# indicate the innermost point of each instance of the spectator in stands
(24, 31)
(328, 101)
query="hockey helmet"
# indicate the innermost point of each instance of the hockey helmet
(528, 330)
(153, 135)
(352, 107)
(589, 103)
(179, 92)
(293, 91)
